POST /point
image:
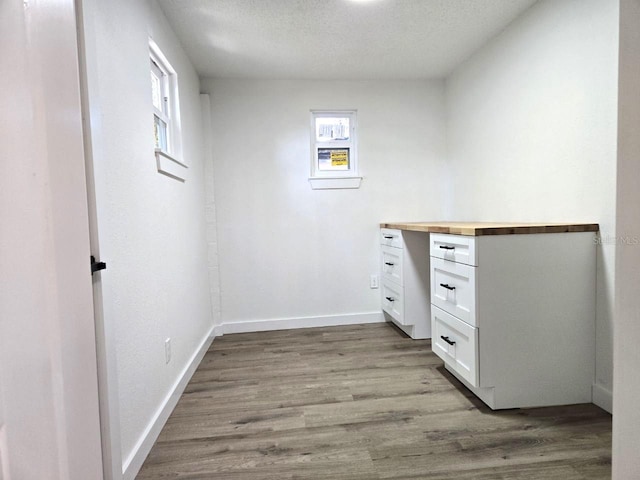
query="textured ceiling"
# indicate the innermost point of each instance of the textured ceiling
(335, 39)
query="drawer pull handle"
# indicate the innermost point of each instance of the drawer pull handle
(389, 237)
(389, 263)
(448, 340)
(447, 247)
(447, 286)
(391, 299)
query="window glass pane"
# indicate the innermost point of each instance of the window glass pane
(332, 128)
(156, 91)
(160, 133)
(333, 159)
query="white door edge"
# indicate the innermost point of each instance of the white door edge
(105, 334)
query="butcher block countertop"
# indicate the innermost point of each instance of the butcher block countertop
(476, 229)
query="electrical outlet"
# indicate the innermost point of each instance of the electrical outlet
(167, 350)
(373, 281)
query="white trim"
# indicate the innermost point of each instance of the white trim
(134, 462)
(351, 144)
(169, 166)
(318, 183)
(174, 123)
(602, 397)
(302, 322)
(217, 331)
(212, 228)
(4, 453)
(164, 62)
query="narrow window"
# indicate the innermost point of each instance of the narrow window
(333, 149)
(167, 134)
(161, 111)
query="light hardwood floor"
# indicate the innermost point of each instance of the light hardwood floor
(361, 402)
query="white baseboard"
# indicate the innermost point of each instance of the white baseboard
(134, 462)
(217, 331)
(302, 322)
(602, 397)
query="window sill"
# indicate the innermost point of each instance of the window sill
(330, 183)
(169, 166)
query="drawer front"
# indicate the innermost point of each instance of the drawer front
(457, 248)
(392, 264)
(456, 342)
(453, 289)
(391, 237)
(393, 301)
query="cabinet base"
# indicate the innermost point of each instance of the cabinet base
(487, 395)
(416, 332)
(523, 396)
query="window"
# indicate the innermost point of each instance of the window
(160, 97)
(166, 114)
(333, 149)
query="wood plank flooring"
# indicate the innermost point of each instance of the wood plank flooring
(361, 402)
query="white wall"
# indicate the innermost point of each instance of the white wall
(626, 421)
(49, 422)
(152, 231)
(531, 125)
(287, 251)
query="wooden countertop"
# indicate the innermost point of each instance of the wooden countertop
(489, 228)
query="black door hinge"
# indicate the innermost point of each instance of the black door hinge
(97, 266)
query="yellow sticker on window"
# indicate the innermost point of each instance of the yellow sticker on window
(339, 158)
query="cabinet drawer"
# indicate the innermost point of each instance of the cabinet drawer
(392, 264)
(391, 237)
(453, 289)
(456, 342)
(457, 248)
(393, 301)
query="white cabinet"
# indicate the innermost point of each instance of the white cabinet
(456, 342)
(391, 238)
(453, 288)
(513, 316)
(405, 281)
(392, 264)
(393, 301)
(457, 248)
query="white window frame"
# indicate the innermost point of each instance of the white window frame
(330, 179)
(164, 114)
(169, 159)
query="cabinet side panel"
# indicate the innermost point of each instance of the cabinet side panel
(537, 303)
(417, 284)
